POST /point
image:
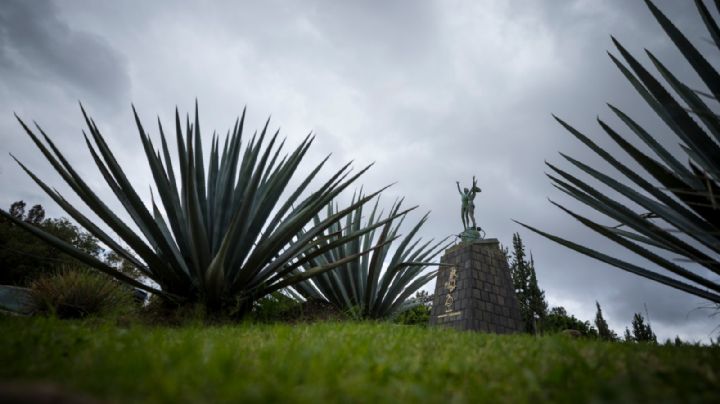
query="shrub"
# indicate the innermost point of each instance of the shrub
(77, 293)
(273, 307)
(558, 320)
(418, 315)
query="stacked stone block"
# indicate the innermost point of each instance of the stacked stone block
(480, 290)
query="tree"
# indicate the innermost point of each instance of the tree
(538, 304)
(604, 331)
(533, 306)
(641, 331)
(36, 215)
(23, 257)
(628, 336)
(121, 264)
(425, 297)
(17, 210)
(676, 195)
(420, 314)
(558, 319)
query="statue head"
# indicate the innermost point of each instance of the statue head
(466, 190)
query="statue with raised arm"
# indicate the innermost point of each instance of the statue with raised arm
(467, 210)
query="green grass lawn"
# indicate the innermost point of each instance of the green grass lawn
(347, 362)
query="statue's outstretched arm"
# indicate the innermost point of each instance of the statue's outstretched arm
(458, 186)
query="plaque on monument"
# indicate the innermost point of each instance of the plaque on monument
(474, 290)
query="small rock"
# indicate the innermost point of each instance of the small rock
(572, 333)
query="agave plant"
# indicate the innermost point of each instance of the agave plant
(222, 235)
(361, 287)
(679, 220)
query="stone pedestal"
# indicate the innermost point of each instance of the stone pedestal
(475, 292)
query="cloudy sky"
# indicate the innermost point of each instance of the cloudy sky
(431, 91)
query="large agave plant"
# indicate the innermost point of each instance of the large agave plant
(225, 234)
(680, 219)
(370, 286)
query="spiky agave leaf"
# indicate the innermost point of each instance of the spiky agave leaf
(216, 236)
(687, 198)
(370, 286)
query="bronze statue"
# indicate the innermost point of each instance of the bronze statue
(467, 211)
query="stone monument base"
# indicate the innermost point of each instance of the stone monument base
(474, 290)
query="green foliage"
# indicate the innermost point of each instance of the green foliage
(122, 265)
(24, 258)
(603, 329)
(420, 314)
(642, 332)
(366, 286)
(220, 233)
(78, 292)
(533, 307)
(347, 362)
(627, 337)
(273, 306)
(558, 320)
(685, 199)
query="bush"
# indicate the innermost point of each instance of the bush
(273, 307)
(558, 319)
(418, 315)
(76, 293)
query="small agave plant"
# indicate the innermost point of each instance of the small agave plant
(361, 286)
(225, 235)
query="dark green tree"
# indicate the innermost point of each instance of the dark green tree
(36, 215)
(17, 210)
(641, 331)
(538, 304)
(533, 307)
(604, 331)
(23, 257)
(558, 319)
(628, 336)
(420, 314)
(121, 264)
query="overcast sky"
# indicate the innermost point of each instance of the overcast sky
(432, 91)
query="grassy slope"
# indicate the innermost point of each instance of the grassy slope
(352, 362)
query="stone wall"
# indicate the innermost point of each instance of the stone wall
(476, 292)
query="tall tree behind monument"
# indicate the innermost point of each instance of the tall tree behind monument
(603, 328)
(533, 307)
(641, 331)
